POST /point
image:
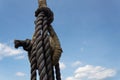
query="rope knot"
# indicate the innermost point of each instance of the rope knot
(47, 13)
(26, 44)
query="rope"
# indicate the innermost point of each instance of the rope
(39, 47)
(43, 55)
(58, 75)
(57, 50)
(47, 49)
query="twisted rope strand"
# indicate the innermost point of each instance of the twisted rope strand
(33, 61)
(39, 48)
(47, 49)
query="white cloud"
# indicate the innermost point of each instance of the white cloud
(77, 63)
(91, 72)
(6, 50)
(62, 65)
(70, 78)
(20, 74)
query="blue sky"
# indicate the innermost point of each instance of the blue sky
(89, 32)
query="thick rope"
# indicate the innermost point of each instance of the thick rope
(39, 47)
(57, 70)
(27, 45)
(42, 54)
(57, 50)
(33, 61)
(47, 49)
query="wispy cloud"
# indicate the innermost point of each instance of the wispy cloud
(91, 72)
(20, 74)
(62, 65)
(77, 63)
(6, 51)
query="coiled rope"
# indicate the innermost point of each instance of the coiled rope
(42, 56)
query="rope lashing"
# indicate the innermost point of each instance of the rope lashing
(44, 49)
